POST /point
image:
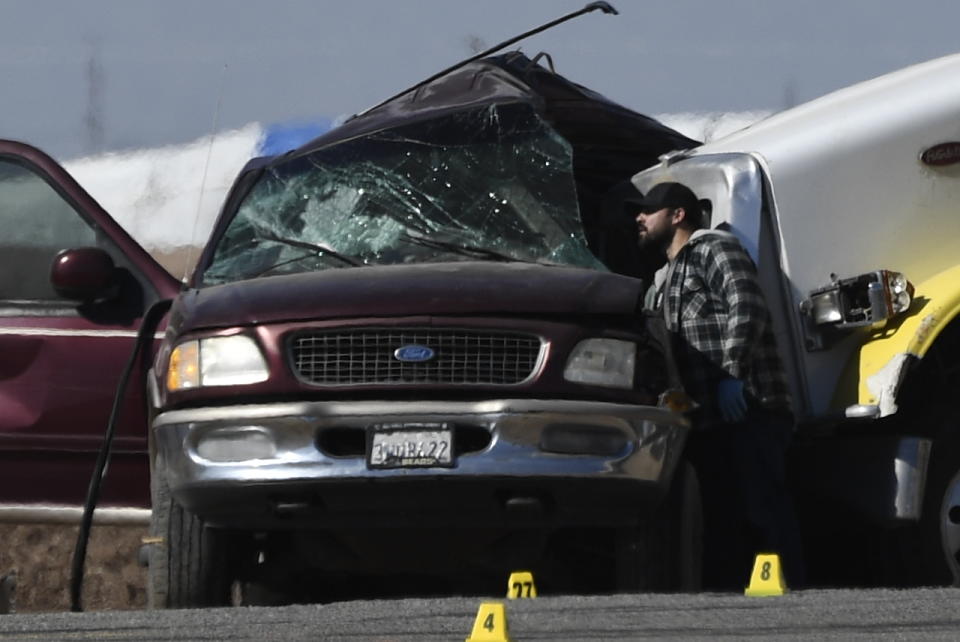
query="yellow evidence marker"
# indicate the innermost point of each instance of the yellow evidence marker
(491, 624)
(521, 586)
(767, 577)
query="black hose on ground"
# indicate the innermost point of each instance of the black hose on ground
(144, 336)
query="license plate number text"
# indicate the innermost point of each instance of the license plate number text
(411, 448)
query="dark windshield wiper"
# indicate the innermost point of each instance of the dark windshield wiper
(274, 266)
(463, 249)
(316, 250)
(320, 249)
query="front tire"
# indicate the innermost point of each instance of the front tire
(950, 527)
(189, 562)
(665, 551)
(937, 541)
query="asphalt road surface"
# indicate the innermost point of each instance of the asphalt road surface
(917, 614)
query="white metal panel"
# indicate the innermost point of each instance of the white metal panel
(850, 192)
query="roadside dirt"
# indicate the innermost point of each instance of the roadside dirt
(42, 554)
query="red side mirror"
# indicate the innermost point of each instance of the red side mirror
(82, 274)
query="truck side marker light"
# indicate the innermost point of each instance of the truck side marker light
(767, 577)
(521, 586)
(491, 624)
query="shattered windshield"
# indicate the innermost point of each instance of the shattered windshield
(490, 184)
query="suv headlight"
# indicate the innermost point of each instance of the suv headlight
(602, 362)
(216, 361)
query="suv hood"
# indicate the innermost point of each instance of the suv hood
(473, 288)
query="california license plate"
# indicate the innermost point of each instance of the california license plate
(410, 446)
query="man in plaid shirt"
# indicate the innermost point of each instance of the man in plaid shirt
(725, 350)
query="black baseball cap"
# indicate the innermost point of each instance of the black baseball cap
(670, 195)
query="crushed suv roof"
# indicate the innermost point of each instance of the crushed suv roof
(600, 130)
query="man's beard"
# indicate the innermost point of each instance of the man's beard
(656, 241)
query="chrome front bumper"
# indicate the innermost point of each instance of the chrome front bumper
(653, 439)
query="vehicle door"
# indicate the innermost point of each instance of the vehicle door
(60, 359)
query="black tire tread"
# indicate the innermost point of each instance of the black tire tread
(190, 566)
(664, 552)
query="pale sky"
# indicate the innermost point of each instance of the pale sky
(161, 68)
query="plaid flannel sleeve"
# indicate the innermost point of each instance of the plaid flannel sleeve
(731, 272)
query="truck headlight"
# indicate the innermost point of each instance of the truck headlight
(216, 361)
(602, 362)
(859, 301)
(901, 292)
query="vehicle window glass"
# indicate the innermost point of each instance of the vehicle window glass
(490, 184)
(37, 223)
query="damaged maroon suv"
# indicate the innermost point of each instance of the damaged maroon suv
(412, 349)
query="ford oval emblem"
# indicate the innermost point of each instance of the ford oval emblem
(413, 353)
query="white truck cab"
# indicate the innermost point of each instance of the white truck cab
(850, 206)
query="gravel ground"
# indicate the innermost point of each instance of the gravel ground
(41, 555)
(835, 615)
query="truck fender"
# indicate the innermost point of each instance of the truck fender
(884, 357)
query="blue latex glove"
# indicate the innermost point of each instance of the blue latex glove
(730, 399)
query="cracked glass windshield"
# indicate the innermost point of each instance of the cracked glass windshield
(490, 184)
